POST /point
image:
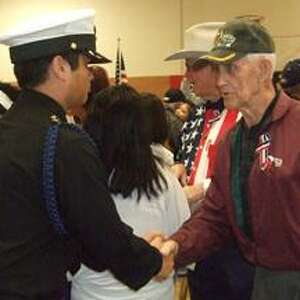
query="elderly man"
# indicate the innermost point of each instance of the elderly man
(54, 196)
(225, 274)
(254, 191)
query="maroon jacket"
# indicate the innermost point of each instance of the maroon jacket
(273, 197)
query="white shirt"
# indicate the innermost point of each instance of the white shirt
(163, 153)
(164, 213)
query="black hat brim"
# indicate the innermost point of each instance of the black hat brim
(96, 58)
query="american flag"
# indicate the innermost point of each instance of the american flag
(121, 76)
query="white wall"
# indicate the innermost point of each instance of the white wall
(281, 18)
(151, 29)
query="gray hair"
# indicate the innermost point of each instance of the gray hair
(271, 57)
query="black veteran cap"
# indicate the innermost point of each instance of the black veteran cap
(238, 38)
(290, 75)
(54, 34)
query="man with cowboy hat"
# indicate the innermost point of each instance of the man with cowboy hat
(225, 274)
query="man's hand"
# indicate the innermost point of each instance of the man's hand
(180, 172)
(168, 250)
(169, 247)
(166, 269)
(194, 193)
(155, 239)
(162, 243)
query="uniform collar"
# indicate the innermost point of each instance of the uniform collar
(44, 102)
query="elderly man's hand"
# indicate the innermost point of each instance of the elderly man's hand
(155, 238)
(169, 247)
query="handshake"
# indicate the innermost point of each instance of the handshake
(168, 249)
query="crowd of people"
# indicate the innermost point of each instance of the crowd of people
(111, 193)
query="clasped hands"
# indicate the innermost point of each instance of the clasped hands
(168, 248)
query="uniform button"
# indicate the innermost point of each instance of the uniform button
(73, 45)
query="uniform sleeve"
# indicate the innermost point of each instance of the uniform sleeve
(208, 228)
(91, 217)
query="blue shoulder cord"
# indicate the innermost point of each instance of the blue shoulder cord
(48, 176)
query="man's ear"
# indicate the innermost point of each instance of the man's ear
(60, 68)
(266, 69)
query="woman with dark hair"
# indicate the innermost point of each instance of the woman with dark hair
(97, 112)
(147, 195)
(100, 80)
(156, 118)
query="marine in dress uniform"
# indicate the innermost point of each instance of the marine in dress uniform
(54, 195)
